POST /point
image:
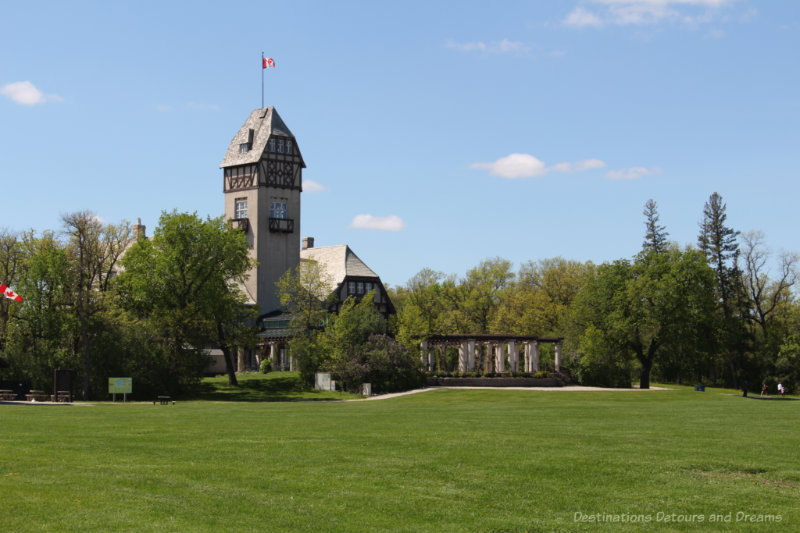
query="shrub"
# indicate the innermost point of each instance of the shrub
(266, 366)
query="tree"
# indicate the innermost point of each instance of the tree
(307, 295)
(719, 244)
(10, 264)
(646, 308)
(766, 296)
(185, 284)
(655, 237)
(94, 249)
(347, 333)
(479, 294)
(41, 332)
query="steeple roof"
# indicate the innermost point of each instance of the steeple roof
(256, 131)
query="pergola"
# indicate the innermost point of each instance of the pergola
(505, 348)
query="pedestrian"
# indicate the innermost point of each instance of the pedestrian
(764, 390)
(780, 389)
(744, 388)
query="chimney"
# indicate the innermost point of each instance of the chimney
(139, 230)
(308, 242)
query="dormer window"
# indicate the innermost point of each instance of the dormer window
(244, 148)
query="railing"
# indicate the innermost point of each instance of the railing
(282, 225)
(241, 223)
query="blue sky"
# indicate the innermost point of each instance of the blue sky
(436, 134)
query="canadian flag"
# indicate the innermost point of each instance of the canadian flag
(9, 293)
(268, 62)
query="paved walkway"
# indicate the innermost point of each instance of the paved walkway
(568, 388)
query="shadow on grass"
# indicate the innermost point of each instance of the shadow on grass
(273, 387)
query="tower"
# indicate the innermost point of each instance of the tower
(262, 182)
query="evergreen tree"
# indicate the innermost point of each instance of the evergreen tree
(655, 238)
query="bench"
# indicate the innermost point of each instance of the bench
(7, 395)
(164, 400)
(63, 396)
(37, 396)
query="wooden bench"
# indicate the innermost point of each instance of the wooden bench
(63, 396)
(7, 395)
(37, 396)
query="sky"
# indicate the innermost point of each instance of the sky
(436, 134)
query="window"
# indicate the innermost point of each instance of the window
(289, 147)
(351, 287)
(367, 287)
(244, 148)
(360, 287)
(280, 146)
(240, 208)
(277, 210)
(272, 145)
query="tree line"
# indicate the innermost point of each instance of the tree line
(712, 312)
(105, 303)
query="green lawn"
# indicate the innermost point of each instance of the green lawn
(446, 460)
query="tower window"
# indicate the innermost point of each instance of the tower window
(351, 287)
(289, 147)
(240, 208)
(244, 148)
(280, 146)
(272, 145)
(360, 287)
(277, 210)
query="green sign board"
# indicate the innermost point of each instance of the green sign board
(120, 385)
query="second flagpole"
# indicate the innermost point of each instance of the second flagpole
(262, 79)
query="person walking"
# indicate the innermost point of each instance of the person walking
(764, 390)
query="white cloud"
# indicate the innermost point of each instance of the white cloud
(163, 107)
(500, 47)
(632, 173)
(26, 93)
(390, 223)
(313, 186)
(643, 12)
(580, 18)
(515, 166)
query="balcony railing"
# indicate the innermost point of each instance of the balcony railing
(281, 225)
(241, 223)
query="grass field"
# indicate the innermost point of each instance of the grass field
(444, 460)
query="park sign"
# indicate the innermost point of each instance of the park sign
(120, 385)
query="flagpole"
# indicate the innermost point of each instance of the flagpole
(262, 79)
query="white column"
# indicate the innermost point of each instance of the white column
(513, 357)
(535, 366)
(471, 355)
(240, 367)
(462, 357)
(558, 357)
(273, 356)
(499, 358)
(527, 357)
